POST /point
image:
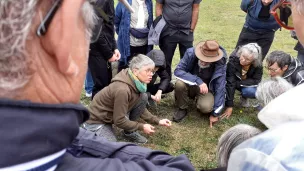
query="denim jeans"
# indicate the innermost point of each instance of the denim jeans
(248, 92)
(88, 84)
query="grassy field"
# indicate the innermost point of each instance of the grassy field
(222, 21)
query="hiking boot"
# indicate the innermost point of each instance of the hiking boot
(180, 115)
(135, 137)
(171, 87)
(244, 102)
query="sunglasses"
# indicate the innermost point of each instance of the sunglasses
(282, 14)
(45, 23)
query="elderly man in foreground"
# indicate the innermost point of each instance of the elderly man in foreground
(43, 61)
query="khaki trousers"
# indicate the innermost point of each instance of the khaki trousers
(183, 93)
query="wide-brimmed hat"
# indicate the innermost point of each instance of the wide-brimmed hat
(208, 51)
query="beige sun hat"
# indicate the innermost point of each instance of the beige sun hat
(208, 51)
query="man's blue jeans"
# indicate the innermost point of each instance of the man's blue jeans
(88, 84)
(249, 92)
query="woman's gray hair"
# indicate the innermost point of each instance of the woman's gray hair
(270, 89)
(255, 50)
(16, 20)
(140, 61)
(232, 138)
(299, 6)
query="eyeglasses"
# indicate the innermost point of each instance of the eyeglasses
(282, 14)
(272, 69)
(150, 71)
(45, 23)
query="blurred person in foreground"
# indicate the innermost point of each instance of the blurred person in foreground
(43, 62)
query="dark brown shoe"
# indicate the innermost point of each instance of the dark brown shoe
(180, 115)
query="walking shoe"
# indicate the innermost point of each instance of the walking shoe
(88, 94)
(244, 102)
(180, 115)
(135, 137)
(152, 103)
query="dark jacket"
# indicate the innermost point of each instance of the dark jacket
(186, 70)
(106, 43)
(253, 8)
(234, 81)
(160, 61)
(295, 72)
(122, 27)
(31, 131)
(299, 47)
(112, 104)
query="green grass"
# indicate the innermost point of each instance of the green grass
(222, 21)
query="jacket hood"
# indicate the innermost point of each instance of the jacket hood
(124, 77)
(294, 65)
(158, 57)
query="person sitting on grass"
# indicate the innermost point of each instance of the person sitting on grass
(282, 64)
(201, 73)
(123, 102)
(244, 73)
(155, 91)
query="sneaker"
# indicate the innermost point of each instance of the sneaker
(88, 94)
(152, 103)
(244, 102)
(180, 115)
(135, 137)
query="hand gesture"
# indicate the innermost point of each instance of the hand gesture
(148, 129)
(165, 122)
(157, 96)
(227, 113)
(203, 88)
(212, 120)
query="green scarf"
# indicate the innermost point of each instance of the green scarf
(141, 87)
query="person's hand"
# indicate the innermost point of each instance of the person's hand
(148, 129)
(157, 96)
(227, 113)
(165, 122)
(113, 58)
(212, 120)
(116, 56)
(203, 88)
(117, 53)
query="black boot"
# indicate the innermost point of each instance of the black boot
(180, 115)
